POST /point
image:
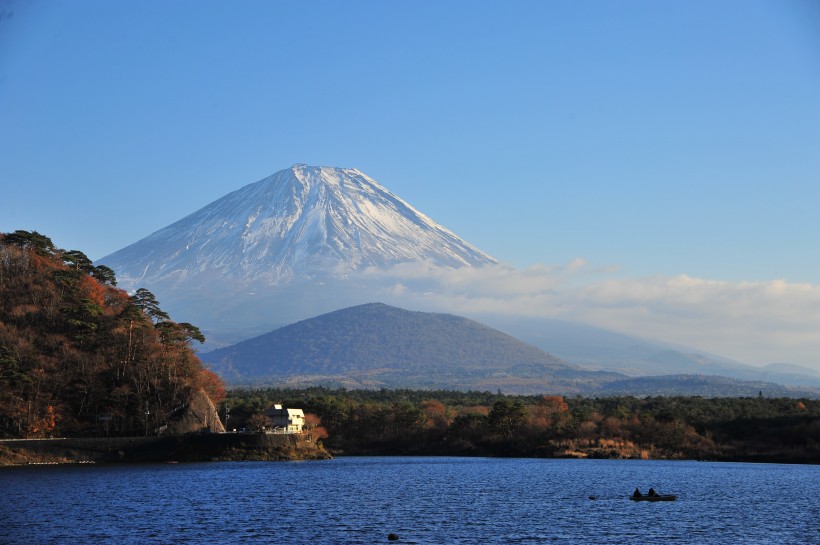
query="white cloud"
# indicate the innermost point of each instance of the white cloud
(753, 322)
(757, 322)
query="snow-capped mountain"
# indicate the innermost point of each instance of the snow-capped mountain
(303, 221)
(308, 241)
(311, 226)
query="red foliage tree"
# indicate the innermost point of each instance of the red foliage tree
(313, 428)
(76, 351)
(213, 386)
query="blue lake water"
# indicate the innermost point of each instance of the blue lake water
(445, 501)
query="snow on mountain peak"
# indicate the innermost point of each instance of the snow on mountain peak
(301, 222)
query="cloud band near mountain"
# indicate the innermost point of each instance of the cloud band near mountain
(757, 322)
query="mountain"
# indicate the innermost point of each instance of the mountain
(377, 345)
(301, 222)
(285, 248)
(380, 346)
(701, 385)
(599, 349)
(787, 373)
(309, 240)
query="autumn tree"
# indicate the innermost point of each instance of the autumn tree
(549, 414)
(435, 415)
(213, 386)
(313, 428)
(75, 350)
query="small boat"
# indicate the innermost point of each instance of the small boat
(656, 497)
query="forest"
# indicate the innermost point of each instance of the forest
(81, 357)
(424, 422)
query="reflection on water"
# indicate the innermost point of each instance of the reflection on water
(423, 500)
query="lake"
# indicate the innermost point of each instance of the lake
(445, 501)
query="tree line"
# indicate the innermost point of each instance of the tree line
(421, 422)
(79, 356)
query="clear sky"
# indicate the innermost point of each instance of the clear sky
(651, 144)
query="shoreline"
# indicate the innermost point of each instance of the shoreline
(249, 447)
(172, 448)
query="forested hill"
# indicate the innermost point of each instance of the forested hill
(79, 356)
(377, 345)
(380, 346)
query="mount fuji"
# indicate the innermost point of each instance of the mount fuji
(285, 248)
(308, 241)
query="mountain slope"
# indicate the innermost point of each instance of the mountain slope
(377, 345)
(300, 222)
(308, 240)
(380, 346)
(291, 246)
(598, 349)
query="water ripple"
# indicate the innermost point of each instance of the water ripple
(429, 501)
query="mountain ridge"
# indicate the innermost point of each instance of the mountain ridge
(600, 349)
(380, 345)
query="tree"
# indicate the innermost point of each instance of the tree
(173, 333)
(435, 415)
(74, 348)
(77, 260)
(506, 416)
(32, 240)
(148, 304)
(258, 422)
(554, 404)
(313, 428)
(213, 386)
(104, 275)
(469, 428)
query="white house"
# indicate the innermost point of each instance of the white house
(286, 420)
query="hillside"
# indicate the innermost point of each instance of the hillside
(381, 346)
(599, 349)
(376, 345)
(79, 356)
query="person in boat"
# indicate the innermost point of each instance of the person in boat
(652, 493)
(637, 493)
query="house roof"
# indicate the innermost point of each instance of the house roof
(277, 410)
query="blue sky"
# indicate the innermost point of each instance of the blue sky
(647, 140)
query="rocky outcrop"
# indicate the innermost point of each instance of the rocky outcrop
(198, 415)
